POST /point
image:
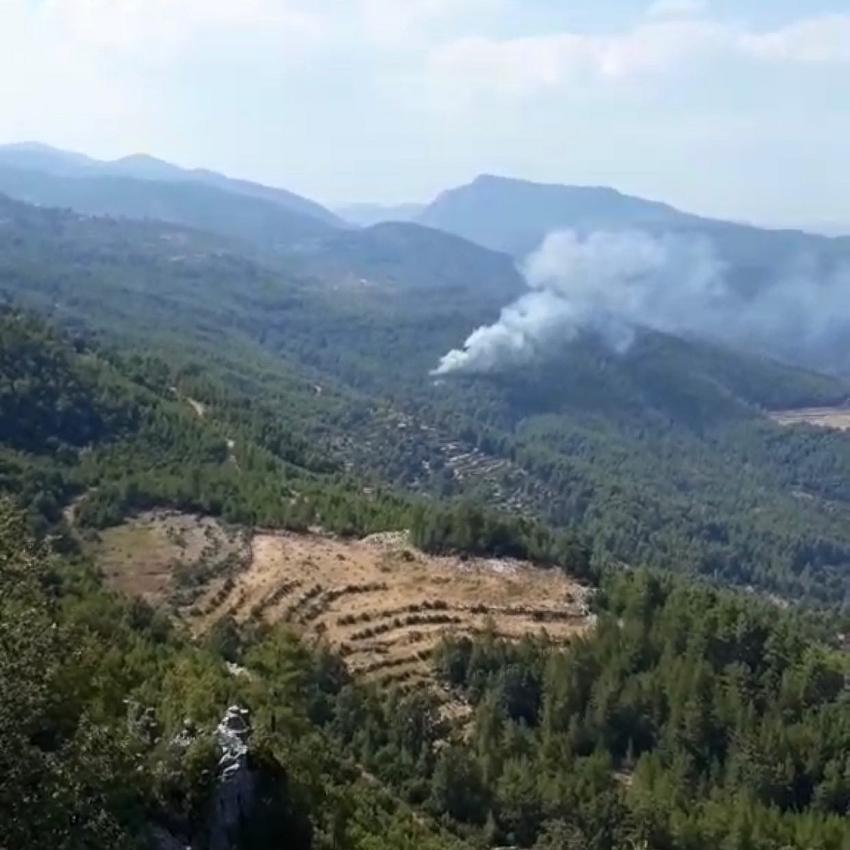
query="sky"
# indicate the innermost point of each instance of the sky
(733, 108)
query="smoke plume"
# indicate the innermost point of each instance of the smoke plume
(613, 283)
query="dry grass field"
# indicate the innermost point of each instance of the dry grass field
(165, 556)
(378, 601)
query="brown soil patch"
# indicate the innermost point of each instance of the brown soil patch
(382, 604)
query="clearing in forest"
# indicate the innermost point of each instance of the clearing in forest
(169, 556)
(381, 603)
(824, 417)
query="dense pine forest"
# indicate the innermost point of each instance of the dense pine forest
(690, 718)
(114, 434)
(110, 436)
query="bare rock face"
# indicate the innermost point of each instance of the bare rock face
(236, 786)
(235, 792)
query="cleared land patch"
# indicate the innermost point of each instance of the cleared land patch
(382, 604)
(824, 417)
(166, 556)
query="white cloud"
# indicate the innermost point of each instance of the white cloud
(411, 23)
(74, 69)
(49, 84)
(167, 25)
(523, 66)
(267, 88)
(676, 8)
(825, 39)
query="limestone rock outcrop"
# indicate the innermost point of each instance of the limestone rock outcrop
(236, 787)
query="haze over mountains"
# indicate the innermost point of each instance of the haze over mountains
(597, 259)
(34, 156)
(367, 214)
(763, 290)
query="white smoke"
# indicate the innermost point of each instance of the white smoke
(613, 283)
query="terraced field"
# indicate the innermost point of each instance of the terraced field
(424, 455)
(382, 604)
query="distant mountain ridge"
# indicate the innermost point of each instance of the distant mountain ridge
(512, 215)
(34, 156)
(774, 279)
(261, 224)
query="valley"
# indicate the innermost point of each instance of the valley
(574, 596)
(656, 455)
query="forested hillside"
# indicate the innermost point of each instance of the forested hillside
(689, 719)
(92, 437)
(108, 435)
(258, 222)
(635, 262)
(661, 457)
(109, 714)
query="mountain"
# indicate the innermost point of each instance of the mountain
(781, 293)
(514, 215)
(264, 224)
(39, 157)
(34, 156)
(368, 214)
(408, 255)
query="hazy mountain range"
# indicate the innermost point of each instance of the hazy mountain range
(34, 156)
(625, 262)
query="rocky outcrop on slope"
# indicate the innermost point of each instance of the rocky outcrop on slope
(235, 786)
(235, 791)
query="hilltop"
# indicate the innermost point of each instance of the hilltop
(512, 215)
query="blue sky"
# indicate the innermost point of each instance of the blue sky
(735, 108)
